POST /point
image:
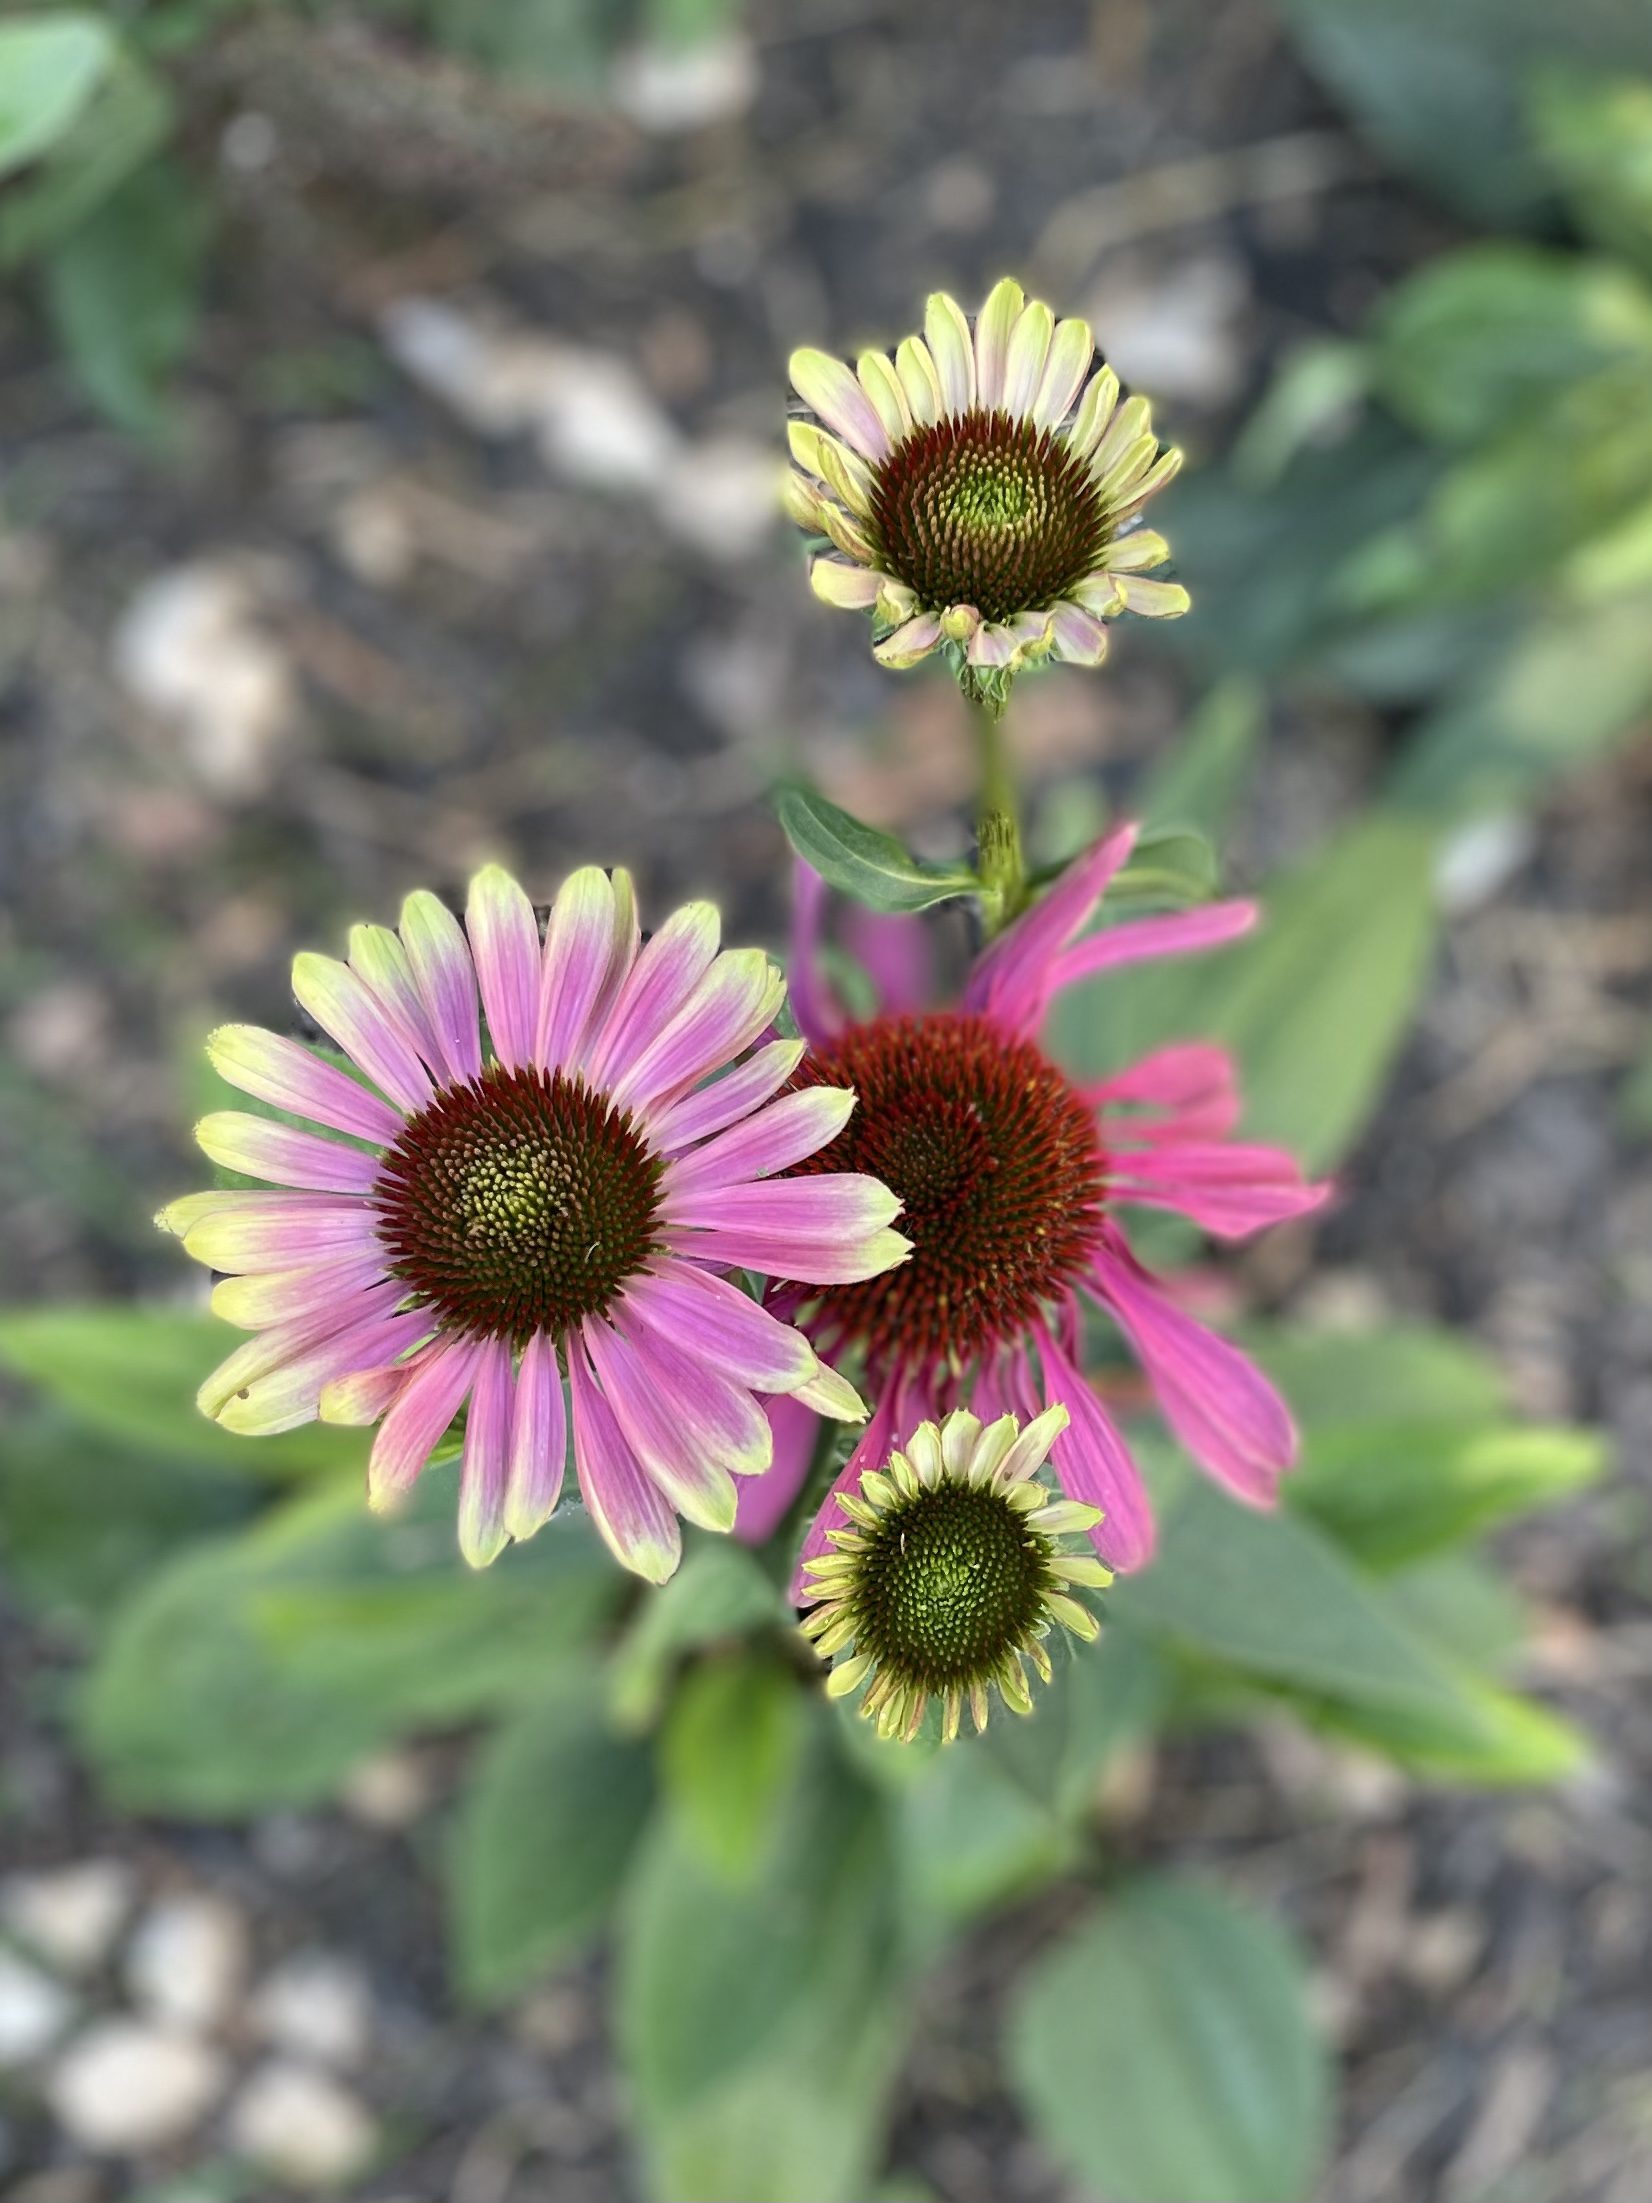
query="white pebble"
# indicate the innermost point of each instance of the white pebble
(317, 2006)
(124, 2087)
(188, 1959)
(34, 2010)
(70, 1916)
(302, 2126)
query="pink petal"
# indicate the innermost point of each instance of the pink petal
(485, 1472)
(877, 1442)
(289, 1077)
(737, 1000)
(579, 941)
(262, 1149)
(895, 954)
(1139, 938)
(1228, 1188)
(278, 1296)
(1194, 1083)
(710, 1109)
(418, 1420)
(504, 941)
(539, 1440)
(686, 1428)
(795, 1126)
(380, 962)
(667, 970)
(446, 980)
(282, 1231)
(1013, 979)
(1090, 1457)
(1214, 1398)
(832, 1259)
(274, 1381)
(819, 1014)
(350, 1013)
(727, 1329)
(633, 1516)
(763, 1501)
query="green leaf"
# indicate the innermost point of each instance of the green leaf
(1475, 342)
(563, 44)
(1635, 1101)
(131, 1375)
(1335, 1378)
(1169, 867)
(727, 1755)
(974, 1838)
(718, 1594)
(257, 1670)
(551, 1816)
(1099, 1698)
(1165, 2051)
(123, 289)
(1506, 1742)
(49, 68)
(108, 136)
(1200, 781)
(1392, 1491)
(860, 861)
(1596, 134)
(1572, 686)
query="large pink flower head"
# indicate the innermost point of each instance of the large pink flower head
(565, 1188)
(1013, 1177)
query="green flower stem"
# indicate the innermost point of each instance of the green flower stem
(1003, 870)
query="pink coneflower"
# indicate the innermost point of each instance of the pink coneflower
(1012, 1177)
(574, 1188)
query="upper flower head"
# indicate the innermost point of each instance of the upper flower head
(949, 1572)
(1014, 1180)
(557, 1187)
(981, 488)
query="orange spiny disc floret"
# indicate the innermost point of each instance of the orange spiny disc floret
(996, 1159)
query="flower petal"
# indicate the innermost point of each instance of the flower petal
(1080, 638)
(579, 939)
(1071, 350)
(277, 1296)
(1153, 600)
(843, 1203)
(734, 1334)
(1012, 979)
(728, 1099)
(1095, 410)
(993, 326)
(1194, 1085)
(282, 1231)
(446, 980)
(666, 971)
(947, 334)
(1178, 934)
(872, 1451)
(828, 389)
(289, 1077)
(634, 1518)
(913, 639)
(829, 1260)
(738, 998)
(485, 1468)
(418, 1419)
(350, 1013)
(260, 1148)
(380, 962)
(538, 1440)
(770, 1140)
(843, 583)
(847, 477)
(1136, 552)
(919, 380)
(1229, 1188)
(1092, 1461)
(504, 941)
(290, 1393)
(883, 388)
(1024, 360)
(763, 1501)
(687, 1428)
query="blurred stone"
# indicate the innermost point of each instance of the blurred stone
(1442, 1949)
(62, 1031)
(1479, 859)
(189, 649)
(1174, 332)
(388, 1791)
(374, 535)
(667, 89)
(302, 2126)
(316, 2005)
(127, 2087)
(723, 496)
(34, 2010)
(959, 196)
(70, 1915)
(187, 1960)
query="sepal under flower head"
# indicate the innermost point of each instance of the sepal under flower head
(950, 1573)
(980, 490)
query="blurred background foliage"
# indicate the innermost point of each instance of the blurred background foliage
(1445, 515)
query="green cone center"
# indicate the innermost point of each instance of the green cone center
(949, 1584)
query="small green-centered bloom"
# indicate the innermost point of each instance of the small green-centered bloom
(950, 1574)
(981, 490)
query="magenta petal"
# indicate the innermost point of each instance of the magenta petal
(485, 1472)
(504, 940)
(895, 953)
(579, 941)
(539, 1440)
(634, 1517)
(1141, 938)
(764, 1500)
(1194, 1083)
(690, 1429)
(1091, 1458)
(711, 1109)
(350, 1013)
(1214, 1398)
(287, 1390)
(1013, 979)
(445, 978)
(877, 1442)
(724, 1327)
(734, 1003)
(667, 970)
(289, 1077)
(248, 1232)
(306, 1161)
(380, 962)
(415, 1425)
(819, 1014)
(1229, 1188)
(768, 1141)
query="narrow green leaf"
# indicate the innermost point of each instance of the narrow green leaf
(1169, 867)
(860, 861)
(1165, 2051)
(1200, 781)
(730, 1745)
(49, 68)
(553, 1811)
(718, 1594)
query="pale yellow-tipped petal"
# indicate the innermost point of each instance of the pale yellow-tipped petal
(803, 502)
(848, 478)
(896, 602)
(1153, 600)
(958, 1435)
(1071, 350)
(1165, 469)
(947, 333)
(1130, 423)
(1099, 595)
(1029, 349)
(831, 1395)
(913, 639)
(851, 588)
(992, 340)
(1072, 1616)
(919, 380)
(883, 386)
(959, 622)
(1094, 412)
(805, 439)
(829, 389)
(849, 536)
(1033, 1445)
(1137, 553)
